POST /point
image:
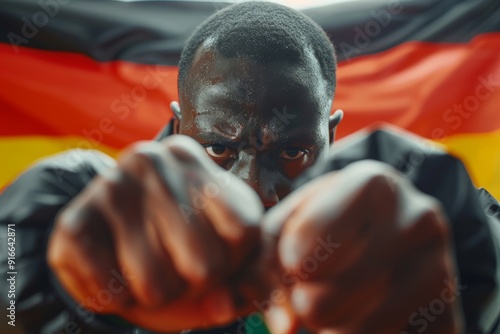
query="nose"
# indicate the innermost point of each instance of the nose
(247, 169)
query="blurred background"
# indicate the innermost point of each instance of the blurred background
(100, 74)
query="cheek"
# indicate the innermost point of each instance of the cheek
(293, 170)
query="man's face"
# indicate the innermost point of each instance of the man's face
(265, 123)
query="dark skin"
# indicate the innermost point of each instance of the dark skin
(261, 122)
(208, 264)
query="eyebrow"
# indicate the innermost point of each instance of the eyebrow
(212, 137)
(304, 138)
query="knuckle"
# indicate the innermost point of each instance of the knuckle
(379, 176)
(145, 146)
(379, 181)
(380, 185)
(177, 148)
(238, 235)
(71, 223)
(109, 190)
(113, 190)
(138, 158)
(116, 188)
(183, 147)
(432, 220)
(187, 152)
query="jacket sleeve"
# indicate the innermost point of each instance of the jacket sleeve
(27, 211)
(473, 214)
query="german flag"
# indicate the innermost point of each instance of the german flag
(100, 74)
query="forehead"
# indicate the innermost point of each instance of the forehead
(237, 93)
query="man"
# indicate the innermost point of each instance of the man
(165, 239)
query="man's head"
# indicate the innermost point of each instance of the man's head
(256, 84)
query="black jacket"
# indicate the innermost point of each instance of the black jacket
(33, 200)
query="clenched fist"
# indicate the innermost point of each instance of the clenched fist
(354, 251)
(173, 222)
(362, 251)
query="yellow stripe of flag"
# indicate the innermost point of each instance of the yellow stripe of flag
(479, 151)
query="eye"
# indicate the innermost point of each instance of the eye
(218, 151)
(292, 153)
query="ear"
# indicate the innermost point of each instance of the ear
(333, 121)
(176, 109)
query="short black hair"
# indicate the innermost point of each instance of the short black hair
(263, 32)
